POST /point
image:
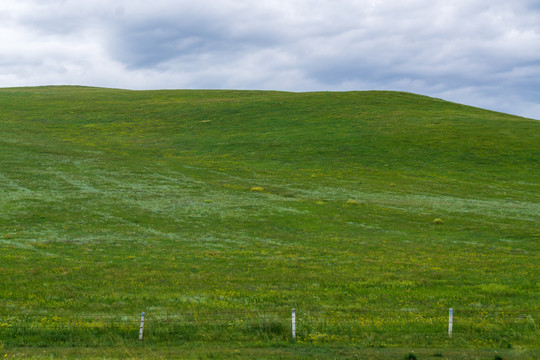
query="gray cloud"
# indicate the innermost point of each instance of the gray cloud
(479, 52)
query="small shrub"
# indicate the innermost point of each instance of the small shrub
(438, 221)
(411, 356)
(498, 357)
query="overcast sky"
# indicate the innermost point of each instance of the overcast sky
(484, 53)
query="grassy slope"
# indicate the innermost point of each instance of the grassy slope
(114, 202)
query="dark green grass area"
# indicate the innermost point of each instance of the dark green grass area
(217, 212)
(197, 350)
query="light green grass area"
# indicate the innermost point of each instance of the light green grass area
(217, 212)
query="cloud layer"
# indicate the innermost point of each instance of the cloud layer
(478, 52)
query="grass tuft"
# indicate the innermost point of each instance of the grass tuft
(410, 356)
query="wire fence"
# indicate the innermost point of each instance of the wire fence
(366, 327)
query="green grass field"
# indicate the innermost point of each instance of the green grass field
(217, 212)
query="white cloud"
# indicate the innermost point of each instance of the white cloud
(479, 52)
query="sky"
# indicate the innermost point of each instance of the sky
(484, 53)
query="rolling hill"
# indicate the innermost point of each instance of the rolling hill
(217, 212)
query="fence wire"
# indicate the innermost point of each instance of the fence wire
(334, 322)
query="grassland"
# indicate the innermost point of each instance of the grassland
(217, 212)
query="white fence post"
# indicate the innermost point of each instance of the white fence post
(450, 321)
(142, 326)
(293, 325)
